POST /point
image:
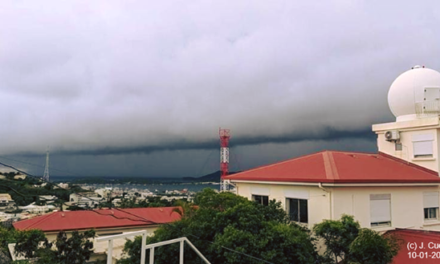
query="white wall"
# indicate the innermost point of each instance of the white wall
(407, 130)
(406, 205)
(406, 202)
(318, 200)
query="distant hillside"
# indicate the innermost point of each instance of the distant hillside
(212, 177)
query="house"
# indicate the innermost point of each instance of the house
(89, 202)
(104, 222)
(37, 209)
(398, 187)
(6, 202)
(20, 177)
(5, 199)
(48, 199)
(74, 198)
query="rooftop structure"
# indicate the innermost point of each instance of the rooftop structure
(340, 167)
(414, 94)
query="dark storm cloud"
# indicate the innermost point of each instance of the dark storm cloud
(323, 134)
(117, 77)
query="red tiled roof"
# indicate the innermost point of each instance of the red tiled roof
(341, 167)
(428, 254)
(105, 218)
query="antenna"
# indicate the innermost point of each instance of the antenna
(224, 157)
(46, 168)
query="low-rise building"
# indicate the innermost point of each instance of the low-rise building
(48, 199)
(20, 177)
(74, 198)
(104, 222)
(5, 199)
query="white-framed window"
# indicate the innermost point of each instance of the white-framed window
(423, 146)
(297, 210)
(430, 205)
(380, 210)
(261, 199)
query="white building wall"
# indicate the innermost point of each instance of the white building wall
(318, 200)
(407, 130)
(406, 203)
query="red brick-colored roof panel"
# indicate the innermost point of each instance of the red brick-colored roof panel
(106, 218)
(341, 167)
(429, 240)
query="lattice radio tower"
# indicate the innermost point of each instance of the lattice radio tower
(46, 168)
(224, 157)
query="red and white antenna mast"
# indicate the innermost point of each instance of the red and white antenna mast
(224, 157)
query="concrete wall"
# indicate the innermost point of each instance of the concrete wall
(406, 130)
(318, 201)
(407, 147)
(406, 203)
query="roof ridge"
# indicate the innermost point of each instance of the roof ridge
(331, 171)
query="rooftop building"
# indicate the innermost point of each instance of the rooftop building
(397, 187)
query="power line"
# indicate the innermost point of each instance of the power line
(40, 166)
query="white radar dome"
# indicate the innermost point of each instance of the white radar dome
(415, 94)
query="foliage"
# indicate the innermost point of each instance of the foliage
(338, 235)
(148, 202)
(372, 248)
(226, 220)
(7, 236)
(346, 242)
(28, 243)
(23, 192)
(74, 250)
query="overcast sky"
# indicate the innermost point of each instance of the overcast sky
(141, 87)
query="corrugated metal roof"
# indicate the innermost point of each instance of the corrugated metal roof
(105, 218)
(341, 167)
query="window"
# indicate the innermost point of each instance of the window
(380, 210)
(423, 146)
(297, 210)
(261, 199)
(398, 146)
(431, 213)
(430, 205)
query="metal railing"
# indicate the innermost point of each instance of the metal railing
(182, 241)
(110, 239)
(144, 246)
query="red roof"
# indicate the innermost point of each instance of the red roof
(105, 218)
(341, 167)
(412, 241)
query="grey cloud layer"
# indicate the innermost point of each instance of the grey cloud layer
(108, 77)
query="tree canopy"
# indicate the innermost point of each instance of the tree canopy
(224, 226)
(346, 242)
(76, 249)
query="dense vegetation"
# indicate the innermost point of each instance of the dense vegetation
(26, 191)
(230, 229)
(77, 249)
